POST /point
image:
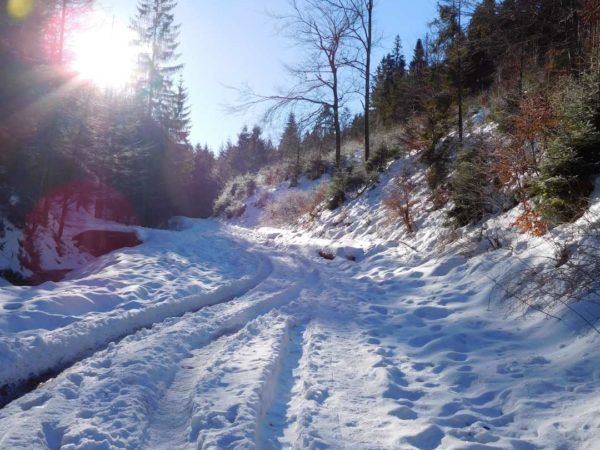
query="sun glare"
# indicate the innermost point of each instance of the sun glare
(103, 53)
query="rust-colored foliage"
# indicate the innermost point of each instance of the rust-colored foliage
(508, 163)
(400, 201)
(535, 119)
(519, 155)
(531, 222)
(317, 198)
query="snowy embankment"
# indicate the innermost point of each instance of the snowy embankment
(394, 344)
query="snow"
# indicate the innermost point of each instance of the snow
(174, 272)
(221, 336)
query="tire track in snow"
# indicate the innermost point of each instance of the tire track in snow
(185, 416)
(176, 424)
(277, 417)
(128, 379)
(170, 424)
(89, 338)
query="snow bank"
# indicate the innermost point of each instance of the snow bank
(50, 326)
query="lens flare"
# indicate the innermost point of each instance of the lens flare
(103, 53)
(19, 9)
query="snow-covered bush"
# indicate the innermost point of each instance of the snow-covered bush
(273, 174)
(401, 200)
(230, 203)
(290, 207)
(287, 208)
(348, 182)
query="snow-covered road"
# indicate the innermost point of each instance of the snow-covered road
(248, 340)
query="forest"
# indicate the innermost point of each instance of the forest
(126, 153)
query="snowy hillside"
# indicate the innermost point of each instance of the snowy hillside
(215, 335)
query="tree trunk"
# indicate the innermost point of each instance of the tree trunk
(369, 41)
(336, 118)
(152, 74)
(63, 215)
(459, 80)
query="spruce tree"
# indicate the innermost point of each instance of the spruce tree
(157, 36)
(290, 147)
(180, 122)
(482, 47)
(418, 63)
(389, 87)
(451, 42)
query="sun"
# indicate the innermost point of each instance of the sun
(103, 53)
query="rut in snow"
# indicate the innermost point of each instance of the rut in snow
(12, 390)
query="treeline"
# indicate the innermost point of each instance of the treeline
(68, 141)
(531, 66)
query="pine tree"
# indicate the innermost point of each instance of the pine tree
(482, 48)
(157, 39)
(290, 147)
(389, 87)
(398, 55)
(418, 63)
(180, 122)
(451, 42)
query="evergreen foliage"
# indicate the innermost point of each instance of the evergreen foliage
(157, 34)
(290, 148)
(471, 188)
(573, 157)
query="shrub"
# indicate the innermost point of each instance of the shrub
(337, 192)
(400, 201)
(381, 157)
(231, 200)
(531, 222)
(290, 207)
(315, 169)
(437, 174)
(346, 182)
(273, 175)
(287, 209)
(573, 159)
(317, 198)
(470, 188)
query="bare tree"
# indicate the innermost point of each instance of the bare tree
(361, 11)
(323, 30)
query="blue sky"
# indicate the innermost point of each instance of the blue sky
(235, 42)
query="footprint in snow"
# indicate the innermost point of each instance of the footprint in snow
(379, 309)
(421, 341)
(458, 357)
(428, 439)
(431, 313)
(35, 402)
(395, 392)
(403, 413)
(12, 306)
(449, 265)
